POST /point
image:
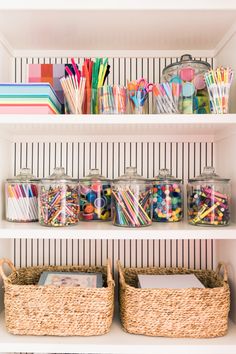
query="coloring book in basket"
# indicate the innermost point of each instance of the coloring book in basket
(71, 279)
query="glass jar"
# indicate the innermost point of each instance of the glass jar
(21, 196)
(186, 78)
(58, 199)
(95, 197)
(167, 197)
(209, 199)
(131, 200)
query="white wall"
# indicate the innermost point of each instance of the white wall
(6, 62)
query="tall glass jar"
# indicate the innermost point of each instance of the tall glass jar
(188, 86)
(131, 200)
(95, 197)
(58, 199)
(21, 197)
(209, 199)
(167, 197)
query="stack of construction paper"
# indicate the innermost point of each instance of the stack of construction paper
(32, 98)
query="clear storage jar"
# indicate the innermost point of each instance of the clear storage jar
(131, 200)
(58, 199)
(21, 197)
(186, 78)
(209, 199)
(167, 197)
(95, 197)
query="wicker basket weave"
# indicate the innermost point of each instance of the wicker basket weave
(31, 309)
(196, 313)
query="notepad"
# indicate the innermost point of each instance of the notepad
(176, 281)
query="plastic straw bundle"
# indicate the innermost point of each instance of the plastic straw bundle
(218, 83)
(112, 99)
(166, 97)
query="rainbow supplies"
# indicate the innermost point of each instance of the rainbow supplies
(166, 97)
(95, 74)
(39, 98)
(218, 83)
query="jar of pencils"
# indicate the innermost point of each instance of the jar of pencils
(209, 199)
(58, 200)
(167, 197)
(187, 86)
(95, 197)
(131, 200)
(21, 196)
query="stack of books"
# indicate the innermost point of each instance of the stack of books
(32, 98)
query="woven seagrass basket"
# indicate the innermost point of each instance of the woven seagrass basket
(193, 313)
(31, 309)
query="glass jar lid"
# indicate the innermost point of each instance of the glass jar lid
(58, 175)
(209, 175)
(131, 176)
(94, 175)
(25, 175)
(165, 176)
(186, 59)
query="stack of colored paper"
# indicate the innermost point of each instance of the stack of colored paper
(39, 98)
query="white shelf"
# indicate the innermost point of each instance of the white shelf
(123, 125)
(116, 342)
(95, 230)
(89, 25)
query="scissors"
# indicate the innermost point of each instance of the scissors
(144, 85)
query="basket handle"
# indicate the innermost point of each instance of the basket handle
(10, 265)
(109, 273)
(121, 275)
(218, 269)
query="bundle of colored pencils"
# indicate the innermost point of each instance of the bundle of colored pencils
(218, 83)
(95, 74)
(166, 97)
(74, 88)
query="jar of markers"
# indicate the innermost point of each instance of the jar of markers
(58, 199)
(167, 197)
(132, 200)
(21, 196)
(209, 199)
(186, 78)
(95, 197)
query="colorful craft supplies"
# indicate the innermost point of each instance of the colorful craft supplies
(218, 83)
(131, 200)
(58, 200)
(95, 74)
(21, 195)
(167, 197)
(29, 99)
(188, 73)
(95, 197)
(209, 199)
(166, 97)
(138, 94)
(112, 99)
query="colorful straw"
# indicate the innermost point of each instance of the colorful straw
(129, 210)
(218, 83)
